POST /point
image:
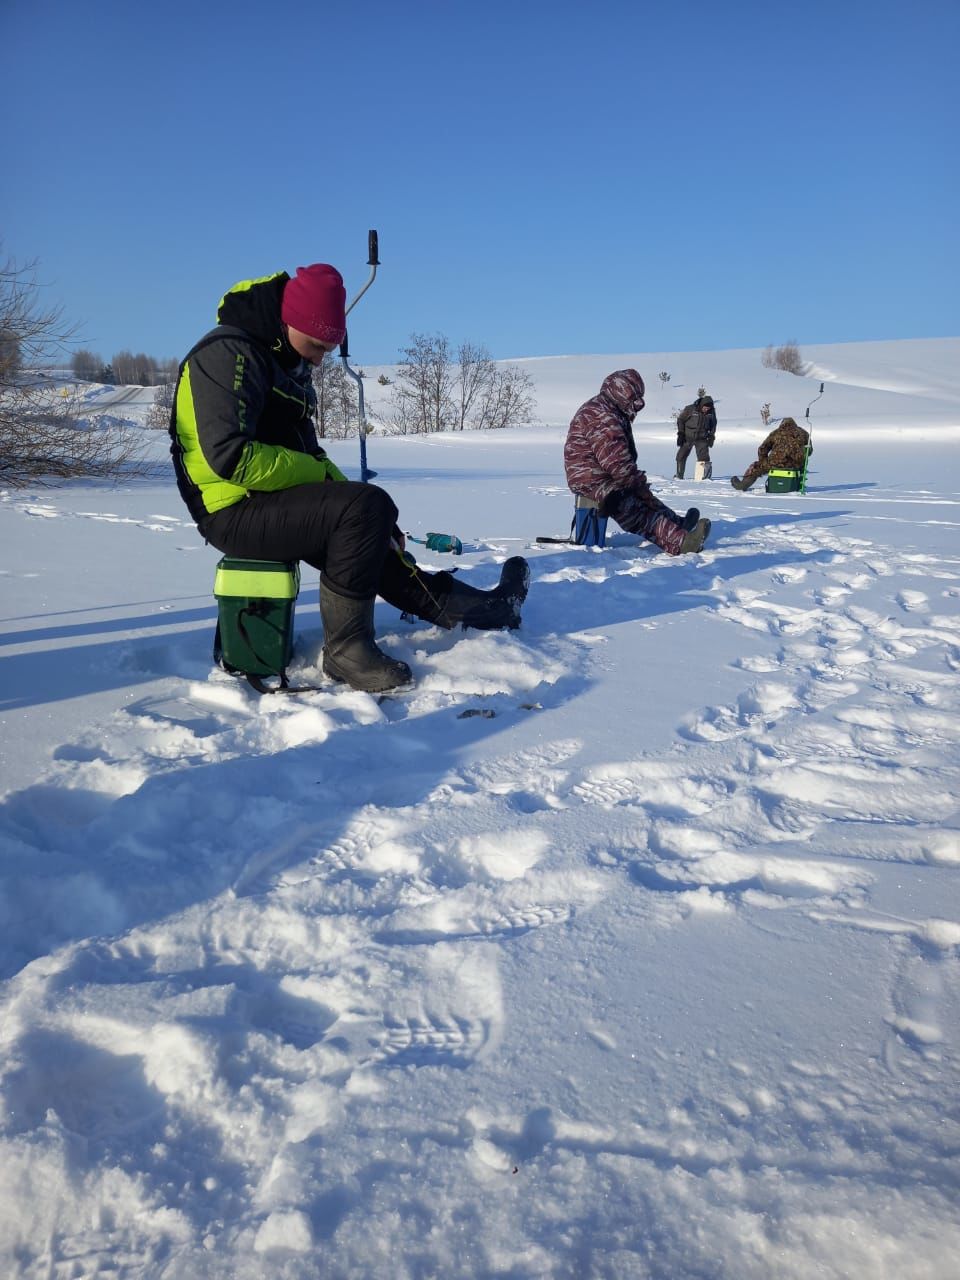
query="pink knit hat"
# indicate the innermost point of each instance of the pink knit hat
(314, 301)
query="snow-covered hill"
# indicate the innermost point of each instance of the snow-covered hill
(908, 385)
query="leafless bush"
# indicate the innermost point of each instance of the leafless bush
(158, 415)
(508, 400)
(44, 435)
(787, 357)
(44, 438)
(765, 413)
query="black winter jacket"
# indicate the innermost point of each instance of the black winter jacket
(241, 420)
(697, 422)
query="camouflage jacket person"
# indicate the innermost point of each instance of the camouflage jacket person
(783, 449)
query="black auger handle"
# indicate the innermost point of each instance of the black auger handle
(373, 246)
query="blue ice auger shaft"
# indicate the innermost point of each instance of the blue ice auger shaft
(373, 261)
(808, 447)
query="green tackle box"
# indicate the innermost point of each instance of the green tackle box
(783, 481)
(255, 606)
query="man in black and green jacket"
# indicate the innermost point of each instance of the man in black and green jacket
(258, 484)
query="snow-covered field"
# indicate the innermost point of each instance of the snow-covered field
(625, 945)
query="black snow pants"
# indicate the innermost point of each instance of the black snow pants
(341, 528)
(703, 455)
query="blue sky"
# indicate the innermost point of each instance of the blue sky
(546, 180)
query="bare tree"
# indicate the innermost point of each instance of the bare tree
(131, 370)
(44, 434)
(31, 335)
(124, 365)
(765, 413)
(664, 377)
(337, 401)
(475, 371)
(10, 358)
(86, 365)
(423, 398)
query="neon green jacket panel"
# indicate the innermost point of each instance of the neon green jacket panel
(242, 425)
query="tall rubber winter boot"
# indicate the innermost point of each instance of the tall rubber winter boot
(349, 652)
(496, 610)
(444, 600)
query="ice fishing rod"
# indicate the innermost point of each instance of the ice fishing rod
(373, 261)
(808, 447)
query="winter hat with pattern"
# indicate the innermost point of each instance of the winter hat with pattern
(314, 301)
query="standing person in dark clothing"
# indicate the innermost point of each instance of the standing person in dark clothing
(600, 460)
(258, 484)
(696, 429)
(785, 447)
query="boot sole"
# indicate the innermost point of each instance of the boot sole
(370, 686)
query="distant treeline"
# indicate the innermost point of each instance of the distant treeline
(124, 369)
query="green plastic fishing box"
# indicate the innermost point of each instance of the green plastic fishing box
(255, 606)
(783, 481)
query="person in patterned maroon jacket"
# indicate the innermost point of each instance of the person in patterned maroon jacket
(600, 460)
